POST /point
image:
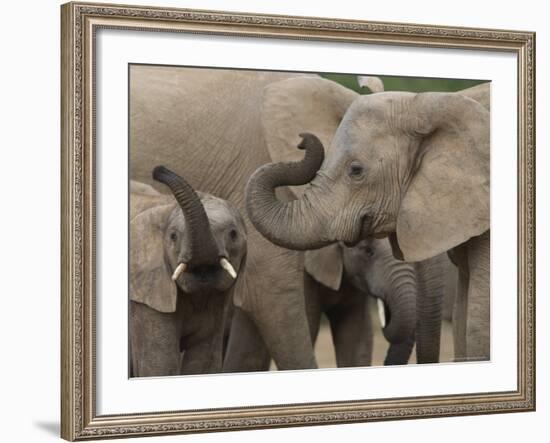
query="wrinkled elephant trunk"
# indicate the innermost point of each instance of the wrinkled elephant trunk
(202, 245)
(401, 303)
(294, 224)
(399, 354)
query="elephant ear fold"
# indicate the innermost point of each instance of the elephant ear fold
(447, 201)
(480, 93)
(150, 279)
(303, 104)
(144, 196)
(326, 265)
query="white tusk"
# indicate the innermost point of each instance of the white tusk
(381, 312)
(224, 263)
(178, 271)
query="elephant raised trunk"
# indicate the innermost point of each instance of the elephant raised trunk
(202, 245)
(401, 303)
(287, 224)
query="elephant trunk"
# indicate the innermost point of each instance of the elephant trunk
(399, 354)
(401, 303)
(292, 224)
(431, 287)
(202, 245)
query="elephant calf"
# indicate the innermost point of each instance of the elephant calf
(186, 251)
(339, 281)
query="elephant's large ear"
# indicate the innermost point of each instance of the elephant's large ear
(304, 104)
(144, 196)
(150, 279)
(447, 201)
(326, 265)
(480, 93)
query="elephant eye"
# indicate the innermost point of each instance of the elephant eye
(173, 236)
(356, 170)
(366, 249)
(233, 234)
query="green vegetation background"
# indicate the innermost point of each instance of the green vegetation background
(412, 84)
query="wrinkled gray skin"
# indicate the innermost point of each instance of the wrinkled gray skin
(449, 294)
(340, 282)
(177, 327)
(207, 125)
(414, 167)
(346, 276)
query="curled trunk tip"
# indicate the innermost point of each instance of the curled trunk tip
(287, 224)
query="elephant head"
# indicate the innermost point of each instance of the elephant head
(197, 244)
(412, 166)
(371, 268)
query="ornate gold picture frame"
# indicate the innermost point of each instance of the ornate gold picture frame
(80, 23)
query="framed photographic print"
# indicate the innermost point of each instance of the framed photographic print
(262, 214)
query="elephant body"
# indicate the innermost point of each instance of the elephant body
(180, 292)
(206, 124)
(410, 167)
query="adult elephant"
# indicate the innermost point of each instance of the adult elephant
(206, 124)
(414, 167)
(186, 252)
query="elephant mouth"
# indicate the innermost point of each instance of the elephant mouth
(205, 273)
(362, 233)
(205, 276)
(205, 280)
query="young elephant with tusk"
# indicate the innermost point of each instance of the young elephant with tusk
(186, 252)
(339, 282)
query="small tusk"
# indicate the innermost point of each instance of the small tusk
(178, 271)
(381, 312)
(224, 263)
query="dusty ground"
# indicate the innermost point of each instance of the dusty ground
(324, 349)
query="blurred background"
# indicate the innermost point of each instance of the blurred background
(411, 84)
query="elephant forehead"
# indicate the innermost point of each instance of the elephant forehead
(218, 211)
(375, 114)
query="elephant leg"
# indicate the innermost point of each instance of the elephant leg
(154, 341)
(431, 285)
(313, 306)
(478, 308)
(399, 354)
(471, 316)
(246, 350)
(284, 327)
(351, 328)
(460, 314)
(273, 297)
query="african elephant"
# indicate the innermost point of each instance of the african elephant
(409, 298)
(186, 252)
(207, 125)
(340, 281)
(414, 167)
